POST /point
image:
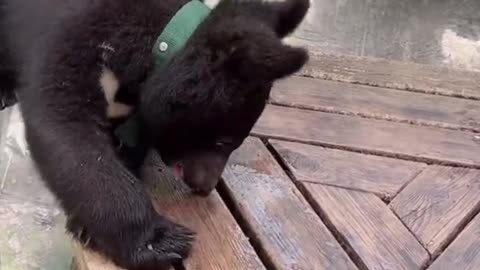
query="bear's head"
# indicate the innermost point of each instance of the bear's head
(201, 108)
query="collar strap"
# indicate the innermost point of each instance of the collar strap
(178, 31)
(172, 40)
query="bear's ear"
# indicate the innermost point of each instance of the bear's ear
(260, 62)
(287, 15)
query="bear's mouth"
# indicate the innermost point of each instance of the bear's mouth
(177, 170)
(179, 174)
(201, 171)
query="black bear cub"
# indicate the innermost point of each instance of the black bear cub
(81, 67)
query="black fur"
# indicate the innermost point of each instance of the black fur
(195, 113)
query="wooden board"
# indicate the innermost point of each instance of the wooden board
(464, 252)
(393, 74)
(220, 243)
(437, 204)
(378, 103)
(289, 232)
(374, 233)
(87, 260)
(383, 176)
(379, 137)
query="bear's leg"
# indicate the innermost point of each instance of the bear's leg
(106, 206)
(8, 72)
(8, 80)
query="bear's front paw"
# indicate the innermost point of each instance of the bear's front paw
(7, 98)
(148, 244)
(166, 244)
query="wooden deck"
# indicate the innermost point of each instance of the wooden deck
(356, 164)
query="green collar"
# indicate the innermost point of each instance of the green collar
(172, 39)
(178, 31)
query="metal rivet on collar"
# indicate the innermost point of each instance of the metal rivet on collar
(163, 46)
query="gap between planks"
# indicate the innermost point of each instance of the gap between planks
(346, 133)
(377, 103)
(352, 171)
(389, 118)
(427, 161)
(464, 252)
(421, 255)
(431, 257)
(275, 147)
(405, 76)
(375, 233)
(447, 198)
(246, 228)
(336, 233)
(273, 209)
(359, 263)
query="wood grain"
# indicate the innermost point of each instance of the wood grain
(374, 233)
(379, 137)
(437, 204)
(85, 259)
(289, 232)
(220, 243)
(380, 175)
(464, 252)
(378, 103)
(393, 74)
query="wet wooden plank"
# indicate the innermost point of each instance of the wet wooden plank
(374, 233)
(394, 74)
(220, 243)
(464, 252)
(280, 220)
(380, 175)
(438, 203)
(85, 259)
(381, 137)
(378, 103)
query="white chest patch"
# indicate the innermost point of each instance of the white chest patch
(110, 85)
